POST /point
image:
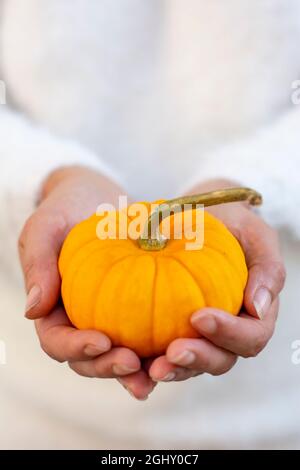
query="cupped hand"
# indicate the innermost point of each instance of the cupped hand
(68, 196)
(225, 337)
(72, 194)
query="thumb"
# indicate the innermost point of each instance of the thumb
(39, 246)
(266, 272)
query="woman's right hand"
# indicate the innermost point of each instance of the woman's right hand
(70, 195)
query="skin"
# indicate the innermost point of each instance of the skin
(71, 194)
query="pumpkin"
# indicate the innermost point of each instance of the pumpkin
(142, 292)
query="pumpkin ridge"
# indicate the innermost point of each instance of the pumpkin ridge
(153, 301)
(66, 253)
(208, 272)
(98, 288)
(64, 273)
(211, 272)
(71, 251)
(219, 249)
(208, 231)
(225, 272)
(86, 244)
(186, 268)
(230, 264)
(239, 275)
(75, 274)
(191, 275)
(97, 249)
(71, 247)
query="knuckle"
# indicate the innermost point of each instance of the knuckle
(21, 242)
(279, 272)
(28, 268)
(253, 233)
(196, 373)
(73, 366)
(258, 345)
(45, 347)
(225, 367)
(60, 225)
(23, 235)
(250, 234)
(99, 369)
(27, 228)
(231, 335)
(55, 223)
(73, 351)
(48, 350)
(204, 363)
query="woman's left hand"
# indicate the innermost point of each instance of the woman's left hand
(225, 337)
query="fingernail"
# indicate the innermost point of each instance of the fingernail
(205, 323)
(33, 298)
(96, 349)
(168, 377)
(184, 358)
(121, 369)
(262, 301)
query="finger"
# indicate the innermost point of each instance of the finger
(39, 246)
(266, 269)
(61, 341)
(243, 335)
(200, 355)
(113, 364)
(138, 385)
(161, 370)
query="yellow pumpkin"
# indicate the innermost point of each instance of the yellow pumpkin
(143, 295)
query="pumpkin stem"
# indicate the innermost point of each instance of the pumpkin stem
(159, 241)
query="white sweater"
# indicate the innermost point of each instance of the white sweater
(155, 94)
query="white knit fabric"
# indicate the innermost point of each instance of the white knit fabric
(269, 161)
(28, 153)
(158, 95)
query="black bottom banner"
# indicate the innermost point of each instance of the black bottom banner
(135, 459)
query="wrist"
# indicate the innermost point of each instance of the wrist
(75, 178)
(59, 175)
